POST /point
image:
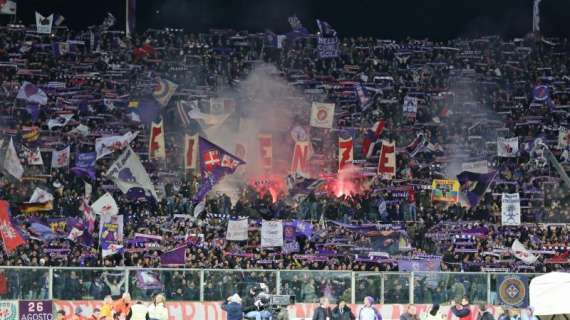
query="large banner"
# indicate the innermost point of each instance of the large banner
(445, 190)
(237, 230)
(156, 145)
(387, 160)
(512, 290)
(265, 150)
(300, 161)
(299, 311)
(510, 209)
(271, 233)
(190, 151)
(429, 264)
(328, 47)
(345, 152)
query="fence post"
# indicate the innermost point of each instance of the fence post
(127, 280)
(411, 288)
(382, 287)
(278, 280)
(488, 288)
(353, 287)
(202, 285)
(50, 283)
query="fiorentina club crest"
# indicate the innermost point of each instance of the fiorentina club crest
(513, 291)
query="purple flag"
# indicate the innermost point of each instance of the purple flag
(34, 111)
(85, 165)
(148, 111)
(303, 228)
(474, 185)
(215, 163)
(175, 257)
(289, 231)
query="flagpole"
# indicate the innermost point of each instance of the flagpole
(127, 31)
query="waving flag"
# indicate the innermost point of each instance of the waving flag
(474, 185)
(508, 147)
(44, 24)
(107, 145)
(33, 158)
(85, 165)
(60, 121)
(207, 120)
(156, 146)
(128, 172)
(520, 252)
(8, 7)
(175, 257)
(11, 163)
(417, 146)
(371, 138)
(541, 93)
(31, 93)
(105, 205)
(11, 237)
(325, 29)
(410, 107)
(215, 163)
(40, 196)
(30, 134)
(60, 159)
(164, 91)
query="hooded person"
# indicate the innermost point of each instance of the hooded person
(367, 311)
(232, 306)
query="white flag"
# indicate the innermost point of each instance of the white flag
(410, 107)
(508, 147)
(12, 163)
(164, 91)
(60, 121)
(237, 230)
(60, 159)
(510, 209)
(128, 172)
(105, 205)
(199, 208)
(563, 138)
(156, 145)
(106, 145)
(81, 129)
(33, 158)
(476, 166)
(520, 252)
(271, 233)
(31, 93)
(43, 24)
(322, 115)
(40, 196)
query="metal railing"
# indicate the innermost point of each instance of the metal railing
(74, 283)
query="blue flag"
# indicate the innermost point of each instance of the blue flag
(474, 185)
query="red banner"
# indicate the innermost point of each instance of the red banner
(213, 311)
(387, 160)
(265, 150)
(300, 162)
(11, 238)
(190, 151)
(156, 147)
(345, 152)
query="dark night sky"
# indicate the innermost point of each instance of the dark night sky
(437, 19)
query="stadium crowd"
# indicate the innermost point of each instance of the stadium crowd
(468, 93)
